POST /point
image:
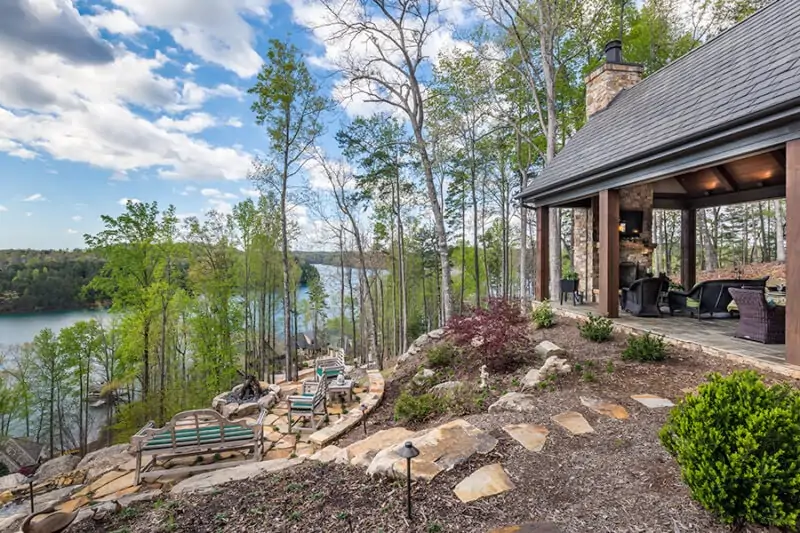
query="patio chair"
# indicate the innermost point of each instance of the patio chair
(709, 296)
(758, 321)
(330, 366)
(641, 298)
(311, 403)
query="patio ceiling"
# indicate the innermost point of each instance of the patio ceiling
(756, 177)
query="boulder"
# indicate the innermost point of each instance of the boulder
(441, 449)
(218, 401)
(229, 409)
(362, 452)
(547, 348)
(11, 523)
(105, 510)
(275, 389)
(54, 497)
(514, 401)
(12, 480)
(148, 496)
(330, 454)
(423, 375)
(446, 388)
(267, 401)
(421, 341)
(101, 461)
(205, 483)
(247, 409)
(56, 467)
(436, 334)
(553, 366)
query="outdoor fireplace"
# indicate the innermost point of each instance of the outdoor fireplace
(246, 398)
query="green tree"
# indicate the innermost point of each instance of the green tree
(289, 106)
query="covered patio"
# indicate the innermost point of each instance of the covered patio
(719, 126)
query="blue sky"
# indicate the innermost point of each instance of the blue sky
(103, 101)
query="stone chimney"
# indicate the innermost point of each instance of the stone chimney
(610, 78)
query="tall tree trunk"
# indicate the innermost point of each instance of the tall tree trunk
(712, 262)
(476, 261)
(780, 238)
(402, 265)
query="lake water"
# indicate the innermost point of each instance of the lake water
(22, 328)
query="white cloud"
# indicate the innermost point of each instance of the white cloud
(216, 32)
(234, 122)
(254, 193)
(220, 206)
(189, 68)
(28, 214)
(77, 218)
(124, 201)
(120, 175)
(216, 193)
(71, 231)
(3, 209)
(86, 111)
(37, 197)
(188, 190)
(115, 21)
(192, 123)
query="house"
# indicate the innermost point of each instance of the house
(719, 126)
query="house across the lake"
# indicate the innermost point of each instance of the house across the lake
(719, 126)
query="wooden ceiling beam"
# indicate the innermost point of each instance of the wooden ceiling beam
(724, 177)
(779, 156)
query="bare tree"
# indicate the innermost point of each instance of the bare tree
(386, 57)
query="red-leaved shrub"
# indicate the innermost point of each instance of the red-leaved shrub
(496, 335)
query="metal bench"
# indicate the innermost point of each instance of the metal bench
(199, 432)
(310, 404)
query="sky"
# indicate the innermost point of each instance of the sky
(107, 101)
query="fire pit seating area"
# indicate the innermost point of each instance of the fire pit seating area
(247, 398)
(710, 297)
(198, 432)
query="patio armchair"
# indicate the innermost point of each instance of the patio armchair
(709, 296)
(330, 366)
(311, 403)
(642, 297)
(758, 321)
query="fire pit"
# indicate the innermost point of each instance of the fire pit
(247, 398)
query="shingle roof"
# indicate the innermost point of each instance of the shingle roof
(748, 69)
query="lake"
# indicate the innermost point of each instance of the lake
(22, 328)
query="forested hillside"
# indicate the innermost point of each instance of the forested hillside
(38, 280)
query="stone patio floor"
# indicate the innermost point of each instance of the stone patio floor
(711, 335)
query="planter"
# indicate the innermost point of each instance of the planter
(569, 285)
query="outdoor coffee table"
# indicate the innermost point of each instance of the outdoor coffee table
(344, 389)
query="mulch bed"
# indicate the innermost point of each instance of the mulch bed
(618, 479)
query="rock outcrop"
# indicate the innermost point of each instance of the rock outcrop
(514, 401)
(56, 467)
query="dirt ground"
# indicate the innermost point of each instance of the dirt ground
(618, 479)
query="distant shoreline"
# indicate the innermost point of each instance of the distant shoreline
(94, 306)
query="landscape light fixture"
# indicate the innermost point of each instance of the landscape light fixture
(408, 451)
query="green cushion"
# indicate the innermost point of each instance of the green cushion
(691, 302)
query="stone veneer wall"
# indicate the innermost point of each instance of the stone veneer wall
(607, 81)
(586, 255)
(638, 198)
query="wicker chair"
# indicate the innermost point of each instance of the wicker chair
(641, 298)
(757, 320)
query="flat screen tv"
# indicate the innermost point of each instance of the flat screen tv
(630, 223)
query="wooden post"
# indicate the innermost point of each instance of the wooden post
(688, 247)
(609, 253)
(542, 289)
(793, 252)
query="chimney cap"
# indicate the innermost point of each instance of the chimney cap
(613, 51)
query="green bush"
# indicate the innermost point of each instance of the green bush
(737, 442)
(645, 348)
(410, 408)
(543, 315)
(442, 355)
(597, 328)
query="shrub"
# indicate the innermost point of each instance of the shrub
(597, 328)
(645, 348)
(442, 356)
(495, 336)
(737, 442)
(543, 315)
(410, 408)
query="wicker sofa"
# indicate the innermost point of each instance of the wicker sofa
(758, 321)
(710, 297)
